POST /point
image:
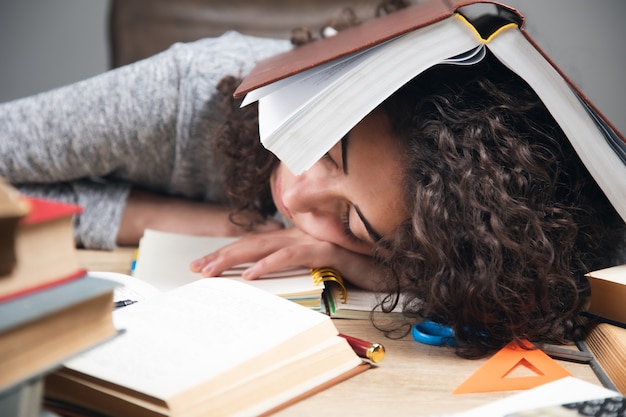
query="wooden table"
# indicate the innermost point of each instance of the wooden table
(413, 379)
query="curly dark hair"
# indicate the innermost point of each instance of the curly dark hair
(505, 218)
(246, 164)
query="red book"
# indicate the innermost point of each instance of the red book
(44, 249)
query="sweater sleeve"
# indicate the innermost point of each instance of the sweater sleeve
(90, 142)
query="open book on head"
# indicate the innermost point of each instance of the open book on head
(312, 96)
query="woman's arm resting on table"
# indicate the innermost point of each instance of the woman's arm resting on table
(146, 210)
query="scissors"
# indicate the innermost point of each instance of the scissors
(432, 333)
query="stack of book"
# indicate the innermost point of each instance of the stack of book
(607, 339)
(50, 309)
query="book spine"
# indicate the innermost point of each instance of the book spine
(30, 290)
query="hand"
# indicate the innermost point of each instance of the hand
(289, 248)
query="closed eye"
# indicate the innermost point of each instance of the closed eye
(345, 223)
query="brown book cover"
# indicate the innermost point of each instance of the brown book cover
(365, 35)
(373, 32)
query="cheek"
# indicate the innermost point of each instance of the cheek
(328, 229)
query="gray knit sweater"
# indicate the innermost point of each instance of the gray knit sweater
(149, 124)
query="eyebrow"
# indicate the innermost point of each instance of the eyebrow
(375, 236)
(344, 155)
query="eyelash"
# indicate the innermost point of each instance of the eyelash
(345, 222)
(345, 217)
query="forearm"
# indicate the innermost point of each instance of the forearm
(106, 126)
(146, 210)
(102, 203)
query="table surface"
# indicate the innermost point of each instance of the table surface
(412, 380)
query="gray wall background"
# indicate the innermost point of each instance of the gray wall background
(49, 43)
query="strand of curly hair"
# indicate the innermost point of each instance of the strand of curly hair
(246, 164)
(505, 218)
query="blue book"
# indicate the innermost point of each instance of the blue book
(41, 330)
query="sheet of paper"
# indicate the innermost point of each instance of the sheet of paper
(561, 391)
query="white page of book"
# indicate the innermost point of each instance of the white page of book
(284, 102)
(303, 137)
(604, 164)
(164, 260)
(615, 274)
(265, 90)
(130, 288)
(175, 341)
(562, 391)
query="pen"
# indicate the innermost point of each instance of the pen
(123, 303)
(375, 352)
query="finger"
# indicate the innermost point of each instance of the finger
(245, 250)
(198, 264)
(286, 258)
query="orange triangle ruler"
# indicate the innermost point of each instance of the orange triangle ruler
(496, 373)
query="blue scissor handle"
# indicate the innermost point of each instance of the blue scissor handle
(433, 333)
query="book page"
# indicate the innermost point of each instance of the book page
(163, 261)
(562, 391)
(593, 148)
(284, 102)
(199, 332)
(130, 288)
(260, 92)
(616, 274)
(341, 101)
(360, 305)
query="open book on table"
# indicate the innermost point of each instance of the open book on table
(163, 261)
(212, 347)
(311, 96)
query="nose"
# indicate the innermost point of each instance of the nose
(312, 192)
